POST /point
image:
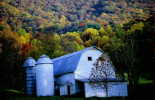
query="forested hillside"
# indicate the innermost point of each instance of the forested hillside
(61, 16)
(123, 28)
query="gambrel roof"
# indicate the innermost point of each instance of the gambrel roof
(68, 63)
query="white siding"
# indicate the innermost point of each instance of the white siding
(91, 91)
(73, 89)
(84, 67)
(63, 90)
(64, 81)
(100, 92)
(114, 89)
(117, 89)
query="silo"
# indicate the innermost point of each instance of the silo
(44, 77)
(29, 65)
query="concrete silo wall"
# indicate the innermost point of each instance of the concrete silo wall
(44, 77)
(29, 65)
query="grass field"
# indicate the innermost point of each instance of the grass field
(59, 98)
(18, 95)
(141, 92)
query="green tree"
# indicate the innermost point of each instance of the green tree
(136, 27)
(109, 30)
(21, 31)
(102, 31)
(120, 32)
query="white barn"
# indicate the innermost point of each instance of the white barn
(73, 74)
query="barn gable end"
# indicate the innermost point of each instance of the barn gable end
(86, 63)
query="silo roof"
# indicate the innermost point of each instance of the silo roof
(29, 62)
(44, 59)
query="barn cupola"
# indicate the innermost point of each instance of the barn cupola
(44, 76)
(29, 65)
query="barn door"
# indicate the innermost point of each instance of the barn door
(68, 89)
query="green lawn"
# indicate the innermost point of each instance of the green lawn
(145, 81)
(60, 98)
(11, 94)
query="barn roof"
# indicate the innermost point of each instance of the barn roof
(68, 63)
(103, 80)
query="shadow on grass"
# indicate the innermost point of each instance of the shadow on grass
(143, 91)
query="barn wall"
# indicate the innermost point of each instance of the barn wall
(63, 90)
(117, 89)
(84, 66)
(113, 89)
(64, 81)
(91, 91)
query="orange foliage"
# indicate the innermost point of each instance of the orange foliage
(25, 49)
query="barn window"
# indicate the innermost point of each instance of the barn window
(89, 58)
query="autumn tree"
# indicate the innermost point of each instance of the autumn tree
(10, 59)
(71, 42)
(89, 34)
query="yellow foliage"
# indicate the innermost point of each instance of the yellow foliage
(37, 44)
(8, 34)
(104, 39)
(88, 43)
(109, 29)
(73, 36)
(91, 31)
(11, 9)
(63, 20)
(102, 31)
(56, 37)
(23, 39)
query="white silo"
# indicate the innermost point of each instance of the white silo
(44, 77)
(29, 76)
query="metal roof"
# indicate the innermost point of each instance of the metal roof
(103, 80)
(68, 63)
(44, 59)
(30, 62)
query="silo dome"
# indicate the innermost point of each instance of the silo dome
(44, 59)
(29, 62)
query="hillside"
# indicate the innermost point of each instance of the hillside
(67, 15)
(71, 25)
